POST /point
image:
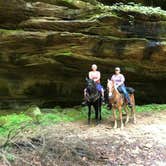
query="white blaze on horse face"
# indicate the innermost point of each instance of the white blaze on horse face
(110, 94)
(110, 86)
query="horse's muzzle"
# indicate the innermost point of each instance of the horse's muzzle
(110, 95)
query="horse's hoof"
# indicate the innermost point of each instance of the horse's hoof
(122, 127)
(134, 121)
(115, 126)
(97, 123)
(127, 121)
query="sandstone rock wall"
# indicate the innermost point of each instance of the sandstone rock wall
(46, 50)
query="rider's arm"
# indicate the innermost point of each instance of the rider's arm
(122, 80)
(98, 77)
(90, 76)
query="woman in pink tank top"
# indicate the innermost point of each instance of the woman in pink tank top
(96, 76)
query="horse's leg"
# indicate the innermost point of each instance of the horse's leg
(114, 116)
(99, 109)
(121, 117)
(133, 114)
(94, 106)
(127, 114)
(100, 112)
(89, 113)
(97, 112)
(133, 110)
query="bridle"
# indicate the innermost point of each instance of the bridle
(92, 93)
(111, 95)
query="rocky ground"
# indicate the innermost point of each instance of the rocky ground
(79, 144)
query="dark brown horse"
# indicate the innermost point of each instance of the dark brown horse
(118, 102)
(93, 98)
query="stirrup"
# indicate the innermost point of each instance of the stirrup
(102, 100)
(84, 103)
(130, 105)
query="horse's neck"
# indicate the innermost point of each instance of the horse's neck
(116, 93)
(93, 91)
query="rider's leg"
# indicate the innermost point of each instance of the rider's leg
(102, 92)
(85, 93)
(123, 88)
(85, 101)
(102, 96)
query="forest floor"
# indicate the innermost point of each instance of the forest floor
(76, 143)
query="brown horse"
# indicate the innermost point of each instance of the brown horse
(118, 102)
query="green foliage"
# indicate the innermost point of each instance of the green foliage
(35, 113)
(3, 121)
(138, 8)
(66, 53)
(13, 121)
(10, 157)
(151, 108)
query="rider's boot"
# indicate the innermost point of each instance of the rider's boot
(130, 105)
(102, 100)
(129, 102)
(84, 103)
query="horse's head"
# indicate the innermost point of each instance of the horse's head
(90, 83)
(91, 86)
(111, 88)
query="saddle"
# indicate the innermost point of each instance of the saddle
(130, 90)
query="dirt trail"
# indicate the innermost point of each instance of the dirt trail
(140, 144)
(65, 144)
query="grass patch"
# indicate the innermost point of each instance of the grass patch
(56, 115)
(12, 121)
(151, 108)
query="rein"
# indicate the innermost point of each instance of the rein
(93, 96)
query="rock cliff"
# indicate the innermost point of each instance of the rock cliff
(47, 48)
